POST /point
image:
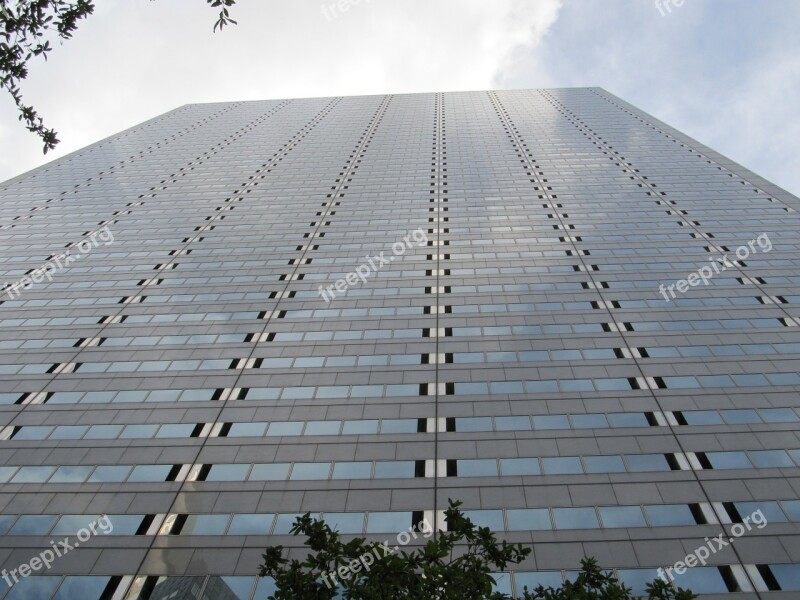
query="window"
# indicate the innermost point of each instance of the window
(575, 518)
(604, 464)
(310, 471)
(519, 466)
(665, 515)
(386, 522)
(622, 516)
(562, 465)
(528, 519)
(244, 524)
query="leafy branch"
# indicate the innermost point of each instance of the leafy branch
(27, 28)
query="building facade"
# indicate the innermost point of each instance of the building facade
(545, 303)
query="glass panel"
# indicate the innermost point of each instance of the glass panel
(322, 428)
(788, 576)
(546, 579)
(71, 474)
(702, 580)
(665, 515)
(398, 468)
(33, 525)
(205, 525)
(229, 588)
(638, 463)
(32, 474)
(399, 426)
(770, 458)
(528, 519)
(285, 428)
(493, 519)
(551, 422)
(576, 518)
(345, 522)
(82, 588)
(519, 466)
(637, 579)
(477, 468)
(149, 473)
(251, 524)
(228, 472)
(770, 512)
(729, 460)
(360, 427)
(70, 524)
(270, 472)
(604, 464)
(622, 516)
(310, 471)
(562, 465)
(33, 587)
(175, 588)
(352, 470)
(109, 474)
(386, 522)
(512, 423)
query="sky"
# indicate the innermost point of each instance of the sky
(726, 72)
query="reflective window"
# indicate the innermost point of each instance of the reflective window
(386, 522)
(622, 516)
(528, 519)
(82, 588)
(575, 518)
(243, 524)
(665, 515)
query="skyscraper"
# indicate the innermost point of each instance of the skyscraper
(545, 303)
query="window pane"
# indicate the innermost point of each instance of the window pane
(638, 463)
(345, 522)
(604, 464)
(270, 472)
(729, 460)
(32, 474)
(247, 429)
(386, 522)
(352, 470)
(71, 474)
(512, 423)
(533, 580)
(205, 525)
(622, 516)
(322, 428)
(477, 468)
(665, 515)
(493, 519)
(310, 471)
(575, 518)
(109, 474)
(33, 587)
(702, 580)
(562, 465)
(770, 458)
(519, 466)
(229, 588)
(149, 473)
(399, 426)
(788, 576)
(770, 512)
(70, 524)
(551, 422)
(251, 524)
(528, 519)
(33, 525)
(401, 469)
(228, 472)
(183, 588)
(287, 428)
(82, 588)
(360, 427)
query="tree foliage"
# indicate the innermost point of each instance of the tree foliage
(27, 29)
(452, 565)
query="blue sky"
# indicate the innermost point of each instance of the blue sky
(726, 72)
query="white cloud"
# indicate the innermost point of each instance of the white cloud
(131, 61)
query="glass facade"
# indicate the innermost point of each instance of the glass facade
(545, 303)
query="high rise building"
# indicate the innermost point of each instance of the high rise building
(545, 303)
